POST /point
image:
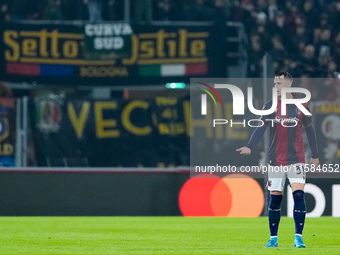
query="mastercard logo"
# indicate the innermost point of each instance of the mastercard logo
(235, 195)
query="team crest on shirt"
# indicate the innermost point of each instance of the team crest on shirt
(269, 184)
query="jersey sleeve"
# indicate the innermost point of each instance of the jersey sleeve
(265, 118)
(308, 124)
(307, 119)
(256, 137)
(258, 133)
(312, 141)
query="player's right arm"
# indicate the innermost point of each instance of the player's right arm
(244, 150)
(257, 135)
(253, 141)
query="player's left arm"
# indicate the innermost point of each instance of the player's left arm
(311, 135)
(313, 145)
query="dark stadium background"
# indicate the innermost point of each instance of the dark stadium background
(105, 131)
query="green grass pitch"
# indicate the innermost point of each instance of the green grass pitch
(162, 235)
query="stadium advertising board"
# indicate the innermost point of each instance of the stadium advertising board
(7, 132)
(108, 54)
(210, 195)
(150, 192)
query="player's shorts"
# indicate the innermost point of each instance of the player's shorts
(277, 176)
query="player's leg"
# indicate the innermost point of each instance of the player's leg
(299, 213)
(275, 186)
(274, 212)
(297, 179)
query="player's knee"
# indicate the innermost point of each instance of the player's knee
(299, 198)
(275, 202)
(298, 195)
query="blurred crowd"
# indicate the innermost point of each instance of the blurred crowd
(302, 36)
(91, 10)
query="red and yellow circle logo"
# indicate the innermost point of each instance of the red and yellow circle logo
(235, 195)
